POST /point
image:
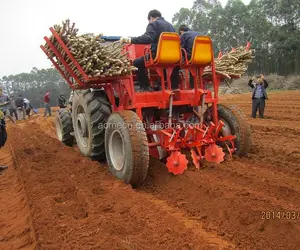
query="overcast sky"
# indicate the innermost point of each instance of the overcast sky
(24, 23)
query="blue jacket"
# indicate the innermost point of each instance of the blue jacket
(153, 33)
(264, 86)
(187, 41)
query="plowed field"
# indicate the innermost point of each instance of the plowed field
(51, 197)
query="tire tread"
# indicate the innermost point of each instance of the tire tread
(241, 128)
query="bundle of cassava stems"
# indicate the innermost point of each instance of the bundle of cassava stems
(232, 64)
(97, 58)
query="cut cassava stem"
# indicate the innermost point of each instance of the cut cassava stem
(94, 56)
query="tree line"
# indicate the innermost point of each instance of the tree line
(35, 84)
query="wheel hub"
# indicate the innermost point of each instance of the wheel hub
(116, 150)
(82, 129)
(226, 131)
(81, 125)
(58, 129)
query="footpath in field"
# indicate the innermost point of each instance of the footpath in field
(248, 203)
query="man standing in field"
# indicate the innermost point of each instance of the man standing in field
(20, 107)
(5, 105)
(47, 104)
(28, 107)
(259, 96)
(3, 134)
(13, 107)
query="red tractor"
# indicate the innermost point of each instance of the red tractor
(111, 121)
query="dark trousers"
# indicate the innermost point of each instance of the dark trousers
(258, 104)
(3, 133)
(139, 63)
(191, 79)
(28, 111)
(13, 112)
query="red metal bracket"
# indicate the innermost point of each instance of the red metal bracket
(57, 67)
(60, 57)
(66, 50)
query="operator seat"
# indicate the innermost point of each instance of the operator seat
(168, 57)
(202, 56)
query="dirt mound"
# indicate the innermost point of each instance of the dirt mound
(247, 203)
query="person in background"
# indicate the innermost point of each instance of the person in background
(28, 107)
(62, 102)
(20, 107)
(5, 105)
(13, 107)
(3, 134)
(259, 85)
(4, 100)
(47, 104)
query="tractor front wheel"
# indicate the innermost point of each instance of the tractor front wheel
(64, 127)
(126, 148)
(235, 124)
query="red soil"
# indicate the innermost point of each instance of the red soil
(76, 204)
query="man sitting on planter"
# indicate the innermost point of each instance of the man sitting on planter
(157, 25)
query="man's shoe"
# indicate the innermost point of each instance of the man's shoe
(148, 89)
(175, 87)
(137, 88)
(144, 89)
(157, 88)
(157, 85)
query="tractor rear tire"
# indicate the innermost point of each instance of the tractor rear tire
(90, 111)
(64, 127)
(127, 152)
(235, 124)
